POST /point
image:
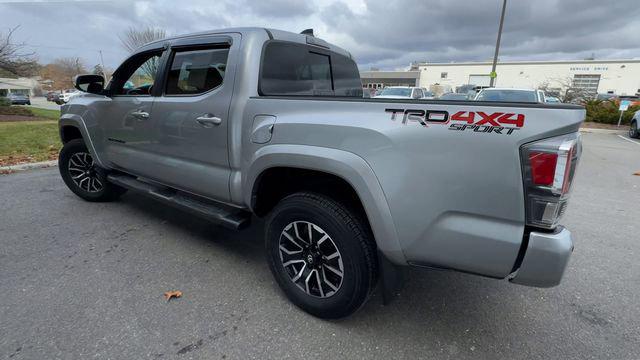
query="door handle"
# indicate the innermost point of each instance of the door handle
(140, 115)
(208, 121)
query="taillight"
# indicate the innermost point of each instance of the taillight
(548, 168)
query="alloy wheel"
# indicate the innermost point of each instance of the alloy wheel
(311, 259)
(83, 172)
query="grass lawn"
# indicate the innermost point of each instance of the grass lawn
(45, 113)
(28, 141)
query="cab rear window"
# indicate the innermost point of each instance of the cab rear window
(299, 70)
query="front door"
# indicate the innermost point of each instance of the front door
(191, 116)
(126, 122)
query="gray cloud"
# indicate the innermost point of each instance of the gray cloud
(379, 33)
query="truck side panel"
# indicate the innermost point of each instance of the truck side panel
(454, 191)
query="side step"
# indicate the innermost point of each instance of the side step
(225, 215)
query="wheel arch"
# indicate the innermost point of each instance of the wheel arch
(72, 127)
(343, 171)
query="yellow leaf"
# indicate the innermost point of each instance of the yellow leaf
(172, 294)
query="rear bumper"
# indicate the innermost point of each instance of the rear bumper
(545, 259)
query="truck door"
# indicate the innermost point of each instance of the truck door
(125, 120)
(188, 147)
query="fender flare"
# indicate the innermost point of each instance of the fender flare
(346, 165)
(79, 123)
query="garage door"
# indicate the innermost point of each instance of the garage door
(480, 80)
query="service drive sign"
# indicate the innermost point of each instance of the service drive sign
(624, 105)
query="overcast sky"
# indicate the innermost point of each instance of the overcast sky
(386, 34)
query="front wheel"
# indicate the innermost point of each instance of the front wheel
(633, 130)
(82, 176)
(322, 255)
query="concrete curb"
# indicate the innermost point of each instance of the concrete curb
(602, 131)
(29, 166)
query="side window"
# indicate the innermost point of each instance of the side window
(346, 76)
(418, 94)
(137, 75)
(297, 69)
(196, 71)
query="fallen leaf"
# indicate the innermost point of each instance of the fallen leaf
(172, 294)
(636, 173)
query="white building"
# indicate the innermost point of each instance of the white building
(27, 86)
(620, 77)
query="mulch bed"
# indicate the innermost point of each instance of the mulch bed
(12, 118)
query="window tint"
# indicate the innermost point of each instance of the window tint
(346, 76)
(294, 69)
(507, 95)
(137, 75)
(196, 71)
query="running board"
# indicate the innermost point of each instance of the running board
(224, 215)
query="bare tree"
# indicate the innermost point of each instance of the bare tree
(565, 89)
(61, 72)
(13, 58)
(133, 38)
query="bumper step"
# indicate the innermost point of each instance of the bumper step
(222, 214)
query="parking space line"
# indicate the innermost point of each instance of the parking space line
(633, 141)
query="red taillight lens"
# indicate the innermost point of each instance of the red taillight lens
(543, 167)
(548, 168)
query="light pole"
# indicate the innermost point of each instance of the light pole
(495, 55)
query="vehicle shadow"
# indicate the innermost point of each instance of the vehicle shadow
(443, 303)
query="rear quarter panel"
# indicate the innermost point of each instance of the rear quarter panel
(455, 196)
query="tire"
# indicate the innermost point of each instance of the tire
(325, 293)
(633, 130)
(82, 176)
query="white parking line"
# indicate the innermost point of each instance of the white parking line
(629, 140)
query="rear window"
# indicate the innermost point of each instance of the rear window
(296, 69)
(507, 96)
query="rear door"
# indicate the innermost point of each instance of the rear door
(188, 144)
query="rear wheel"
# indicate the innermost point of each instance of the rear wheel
(83, 176)
(322, 255)
(633, 130)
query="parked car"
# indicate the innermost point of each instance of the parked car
(510, 95)
(52, 96)
(401, 92)
(606, 97)
(66, 95)
(19, 99)
(633, 127)
(552, 99)
(339, 179)
(454, 96)
(428, 95)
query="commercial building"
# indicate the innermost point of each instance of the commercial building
(381, 79)
(619, 77)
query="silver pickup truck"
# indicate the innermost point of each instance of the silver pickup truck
(247, 122)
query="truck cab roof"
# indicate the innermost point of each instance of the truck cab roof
(272, 34)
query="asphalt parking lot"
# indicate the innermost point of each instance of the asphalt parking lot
(81, 280)
(41, 102)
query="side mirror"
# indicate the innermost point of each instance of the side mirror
(90, 83)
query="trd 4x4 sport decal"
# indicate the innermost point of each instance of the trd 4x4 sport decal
(476, 121)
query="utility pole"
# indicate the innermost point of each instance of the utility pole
(495, 55)
(104, 70)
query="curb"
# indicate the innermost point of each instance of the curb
(28, 166)
(602, 131)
